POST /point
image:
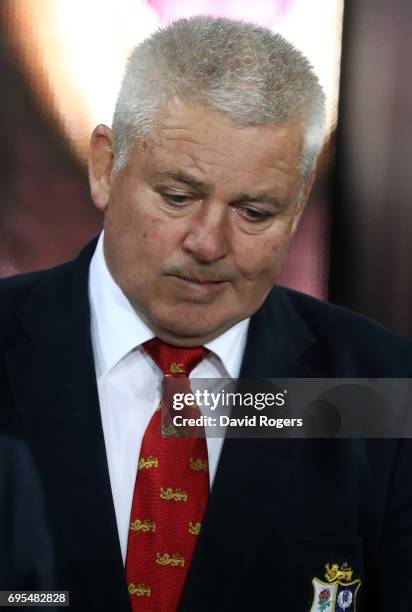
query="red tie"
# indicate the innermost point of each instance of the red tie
(170, 497)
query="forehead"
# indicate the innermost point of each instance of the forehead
(208, 144)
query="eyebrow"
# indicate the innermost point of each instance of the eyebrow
(263, 198)
(181, 177)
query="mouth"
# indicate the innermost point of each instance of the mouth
(199, 281)
(200, 288)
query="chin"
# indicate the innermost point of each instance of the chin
(192, 326)
(182, 329)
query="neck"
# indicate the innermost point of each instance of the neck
(177, 339)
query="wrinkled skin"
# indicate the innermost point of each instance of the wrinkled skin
(198, 223)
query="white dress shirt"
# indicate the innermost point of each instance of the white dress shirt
(129, 382)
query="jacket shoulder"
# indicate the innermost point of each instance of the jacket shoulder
(14, 290)
(350, 341)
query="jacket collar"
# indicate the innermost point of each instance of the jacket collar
(278, 341)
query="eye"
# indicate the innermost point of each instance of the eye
(251, 214)
(175, 199)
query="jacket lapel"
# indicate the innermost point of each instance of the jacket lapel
(251, 491)
(54, 386)
(279, 342)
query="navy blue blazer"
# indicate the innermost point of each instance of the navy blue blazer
(26, 548)
(279, 510)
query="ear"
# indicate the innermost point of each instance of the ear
(304, 193)
(100, 164)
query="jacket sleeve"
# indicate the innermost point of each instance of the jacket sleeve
(26, 552)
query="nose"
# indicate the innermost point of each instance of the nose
(207, 237)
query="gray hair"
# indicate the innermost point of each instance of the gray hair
(249, 73)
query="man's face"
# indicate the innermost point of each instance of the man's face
(198, 223)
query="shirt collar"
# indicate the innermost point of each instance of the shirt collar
(117, 329)
(230, 346)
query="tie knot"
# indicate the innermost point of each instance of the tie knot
(174, 360)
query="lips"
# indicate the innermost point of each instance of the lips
(199, 289)
(210, 281)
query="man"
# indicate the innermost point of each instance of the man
(202, 182)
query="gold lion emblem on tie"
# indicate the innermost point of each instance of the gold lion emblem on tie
(177, 368)
(141, 590)
(172, 560)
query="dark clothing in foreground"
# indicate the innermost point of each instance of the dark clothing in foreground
(26, 556)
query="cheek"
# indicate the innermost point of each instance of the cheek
(150, 244)
(261, 261)
(150, 231)
(160, 239)
(135, 228)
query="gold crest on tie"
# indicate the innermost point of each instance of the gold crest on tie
(198, 465)
(170, 431)
(172, 560)
(169, 493)
(149, 462)
(140, 590)
(195, 529)
(177, 368)
(144, 526)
